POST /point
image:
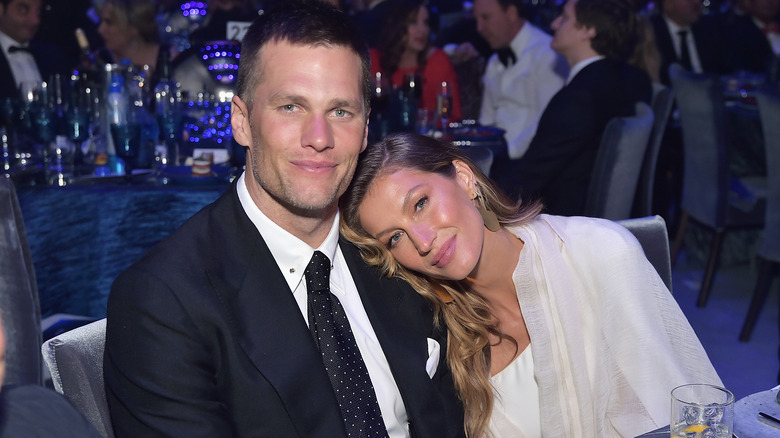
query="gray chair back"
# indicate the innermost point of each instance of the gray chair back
(651, 233)
(75, 360)
(705, 168)
(19, 305)
(618, 164)
(663, 101)
(482, 156)
(769, 108)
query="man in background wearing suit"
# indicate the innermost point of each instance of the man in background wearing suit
(216, 332)
(684, 36)
(595, 37)
(20, 58)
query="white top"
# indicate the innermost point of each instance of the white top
(609, 341)
(676, 42)
(516, 405)
(514, 97)
(292, 256)
(23, 66)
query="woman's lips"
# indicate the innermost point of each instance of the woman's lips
(445, 253)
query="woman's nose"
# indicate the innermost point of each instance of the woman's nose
(423, 237)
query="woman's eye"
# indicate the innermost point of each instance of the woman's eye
(393, 240)
(421, 203)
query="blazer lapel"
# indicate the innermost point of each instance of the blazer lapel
(401, 321)
(270, 327)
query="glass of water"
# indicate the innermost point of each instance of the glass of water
(702, 411)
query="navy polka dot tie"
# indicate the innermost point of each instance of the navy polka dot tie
(340, 354)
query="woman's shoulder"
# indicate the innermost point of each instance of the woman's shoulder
(600, 234)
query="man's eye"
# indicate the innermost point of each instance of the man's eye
(288, 107)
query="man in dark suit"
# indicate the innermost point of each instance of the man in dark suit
(684, 36)
(595, 37)
(207, 333)
(22, 59)
(754, 38)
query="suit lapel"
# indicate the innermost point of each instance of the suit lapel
(269, 325)
(401, 321)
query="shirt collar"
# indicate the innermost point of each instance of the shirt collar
(292, 255)
(6, 42)
(576, 68)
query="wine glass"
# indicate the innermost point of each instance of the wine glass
(127, 143)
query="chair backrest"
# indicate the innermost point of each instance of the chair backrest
(769, 108)
(75, 360)
(705, 168)
(663, 101)
(618, 163)
(651, 233)
(19, 305)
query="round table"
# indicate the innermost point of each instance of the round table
(746, 420)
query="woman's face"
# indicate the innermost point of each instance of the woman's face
(117, 38)
(426, 220)
(418, 31)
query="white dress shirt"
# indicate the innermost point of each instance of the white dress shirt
(292, 256)
(23, 66)
(515, 96)
(673, 31)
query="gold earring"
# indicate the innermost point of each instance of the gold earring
(488, 217)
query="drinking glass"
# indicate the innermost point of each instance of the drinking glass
(702, 411)
(380, 100)
(127, 143)
(444, 107)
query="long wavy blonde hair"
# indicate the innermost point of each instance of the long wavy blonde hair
(465, 313)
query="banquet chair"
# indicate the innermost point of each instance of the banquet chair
(75, 360)
(710, 195)
(482, 156)
(663, 101)
(19, 305)
(618, 163)
(651, 233)
(769, 253)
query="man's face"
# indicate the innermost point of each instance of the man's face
(20, 19)
(569, 34)
(305, 129)
(497, 26)
(683, 12)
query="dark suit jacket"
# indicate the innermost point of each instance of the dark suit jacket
(205, 339)
(49, 60)
(711, 45)
(558, 164)
(749, 48)
(34, 411)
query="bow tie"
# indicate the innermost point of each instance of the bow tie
(14, 49)
(506, 56)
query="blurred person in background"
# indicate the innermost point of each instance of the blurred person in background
(21, 58)
(520, 79)
(596, 37)
(404, 48)
(129, 31)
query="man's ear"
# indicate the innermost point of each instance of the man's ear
(239, 121)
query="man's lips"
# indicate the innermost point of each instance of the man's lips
(314, 166)
(445, 253)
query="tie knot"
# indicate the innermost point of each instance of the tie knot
(507, 56)
(318, 272)
(14, 49)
